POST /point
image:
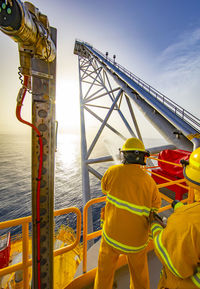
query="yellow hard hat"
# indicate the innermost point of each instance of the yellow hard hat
(192, 170)
(133, 144)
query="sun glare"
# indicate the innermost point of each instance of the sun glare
(67, 149)
(67, 104)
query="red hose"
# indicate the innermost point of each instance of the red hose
(18, 115)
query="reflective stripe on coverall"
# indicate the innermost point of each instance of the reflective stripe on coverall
(131, 194)
(178, 248)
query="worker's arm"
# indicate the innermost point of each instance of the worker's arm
(157, 229)
(175, 248)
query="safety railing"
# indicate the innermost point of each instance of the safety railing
(78, 229)
(26, 262)
(86, 236)
(189, 118)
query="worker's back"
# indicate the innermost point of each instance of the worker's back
(131, 194)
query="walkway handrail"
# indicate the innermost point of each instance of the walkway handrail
(26, 262)
(78, 229)
(86, 236)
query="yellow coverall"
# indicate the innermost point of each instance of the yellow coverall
(131, 194)
(178, 248)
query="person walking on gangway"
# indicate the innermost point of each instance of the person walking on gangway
(178, 244)
(131, 195)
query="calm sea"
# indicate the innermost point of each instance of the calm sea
(15, 178)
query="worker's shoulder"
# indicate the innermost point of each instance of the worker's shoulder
(133, 168)
(127, 167)
(115, 167)
(189, 208)
(188, 213)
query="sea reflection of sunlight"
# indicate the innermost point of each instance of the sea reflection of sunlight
(68, 176)
(67, 147)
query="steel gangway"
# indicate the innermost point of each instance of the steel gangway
(176, 124)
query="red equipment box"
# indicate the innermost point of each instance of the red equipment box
(170, 171)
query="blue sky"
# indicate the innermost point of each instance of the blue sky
(157, 40)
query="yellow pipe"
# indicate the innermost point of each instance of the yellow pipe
(167, 162)
(15, 222)
(164, 208)
(169, 200)
(11, 269)
(167, 184)
(169, 206)
(78, 230)
(94, 235)
(153, 167)
(25, 251)
(85, 236)
(66, 211)
(170, 182)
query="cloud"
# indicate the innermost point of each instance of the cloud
(179, 65)
(183, 56)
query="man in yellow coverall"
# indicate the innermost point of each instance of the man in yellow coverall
(178, 245)
(131, 195)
